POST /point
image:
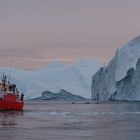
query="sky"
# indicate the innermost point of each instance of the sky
(34, 33)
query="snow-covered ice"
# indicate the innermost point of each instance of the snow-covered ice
(74, 78)
(105, 83)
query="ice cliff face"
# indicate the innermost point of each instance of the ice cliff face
(103, 82)
(116, 81)
(127, 57)
(129, 87)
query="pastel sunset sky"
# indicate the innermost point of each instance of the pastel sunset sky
(36, 32)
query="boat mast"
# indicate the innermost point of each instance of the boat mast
(4, 82)
(9, 76)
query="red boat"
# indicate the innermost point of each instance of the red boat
(10, 97)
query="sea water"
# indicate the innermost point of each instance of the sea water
(67, 121)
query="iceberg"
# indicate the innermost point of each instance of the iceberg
(111, 82)
(73, 78)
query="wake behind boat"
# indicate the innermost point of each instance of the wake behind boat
(10, 97)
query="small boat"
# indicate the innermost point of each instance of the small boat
(10, 97)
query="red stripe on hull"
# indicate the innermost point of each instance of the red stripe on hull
(11, 105)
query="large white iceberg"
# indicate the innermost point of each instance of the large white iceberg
(56, 76)
(105, 81)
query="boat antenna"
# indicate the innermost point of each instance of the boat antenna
(9, 76)
(3, 73)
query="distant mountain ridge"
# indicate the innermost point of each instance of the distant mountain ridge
(62, 95)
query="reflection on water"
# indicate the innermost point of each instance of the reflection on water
(9, 121)
(9, 118)
(66, 121)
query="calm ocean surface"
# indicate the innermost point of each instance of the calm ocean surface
(66, 121)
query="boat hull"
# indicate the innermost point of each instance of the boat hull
(11, 105)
